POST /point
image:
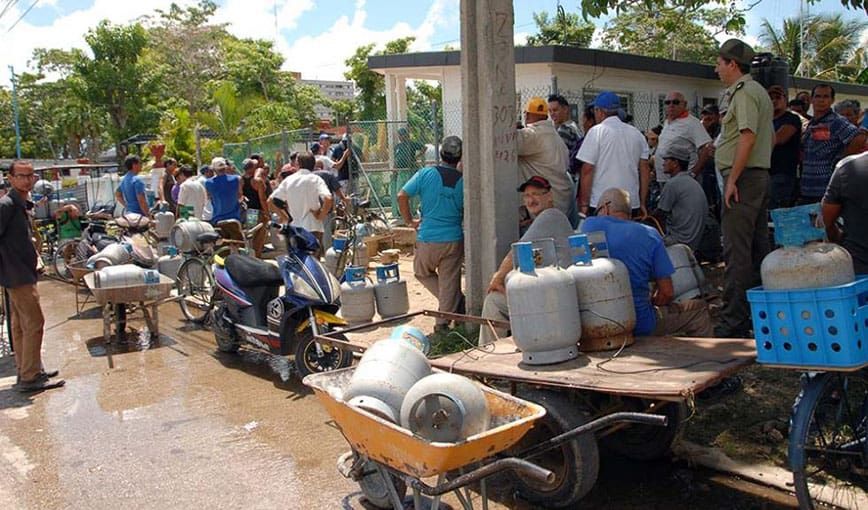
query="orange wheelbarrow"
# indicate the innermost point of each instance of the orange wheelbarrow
(386, 459)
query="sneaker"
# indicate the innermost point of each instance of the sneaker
(722, 389)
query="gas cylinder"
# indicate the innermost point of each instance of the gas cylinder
(543, 309)
(413, 335)
(165, 222)
(114, 254)
(360, 254)
(184, 233)
(605, 298)
(390, 292)
(333, 254)
(387, 370)
(688, 279)
(125, 275)
(445, 408)
(806, 267)
(169, 263)
(357, 296)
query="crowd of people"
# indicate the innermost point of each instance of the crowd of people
(701, 182)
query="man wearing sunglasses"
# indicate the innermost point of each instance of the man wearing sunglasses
(685, 130)
(18, 275)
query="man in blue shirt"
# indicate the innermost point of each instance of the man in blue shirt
(440, 236)
(131, 192)
(641, 249)
(225, 192)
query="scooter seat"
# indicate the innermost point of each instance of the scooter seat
(248, 271)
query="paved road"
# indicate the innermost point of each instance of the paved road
(173, 424)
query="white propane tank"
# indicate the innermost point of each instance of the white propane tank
(807, 267)
(357, 296)
(112, 255)
(390, 292)
(605, 298)
(446, 408)
(333, 254)
(688, 279)
(170, 263)
(183, 234)
(165, 222)
(360, 255)
(126, 275)
(387, 370)
(543, 309)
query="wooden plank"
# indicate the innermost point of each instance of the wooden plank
(667, 368)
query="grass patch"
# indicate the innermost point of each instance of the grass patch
(452, 340)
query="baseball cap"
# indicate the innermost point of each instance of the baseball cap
(711, 108)
(538, 106)
(218, 163)
(536, 181)
(314, 147)
(777, 89)
(607, 101)
(324, 136)
(738, 50)
(450, 147)
(678, 152)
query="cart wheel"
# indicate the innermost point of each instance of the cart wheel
(575, 464)
(647, 442)
(377, 493)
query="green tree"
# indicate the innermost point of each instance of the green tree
(565, 29)
(253, 65)
(115, 80)
(228, 116)
(371, 85)
(597, 8)
(667, 32)
(177, 130)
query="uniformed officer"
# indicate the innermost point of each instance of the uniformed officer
(743, 157)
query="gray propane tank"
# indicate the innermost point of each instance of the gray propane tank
(357, 296)
(385, 374)
(390, 292)
(165, 221)
(543, 309)
(602, 287)
(126, 275)
(688, 279)
(333, 254)
(112, 255)
(807, 267)
(445, 408)
(184, 233)
(169, 263)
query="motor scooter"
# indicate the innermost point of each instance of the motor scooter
(249, 310)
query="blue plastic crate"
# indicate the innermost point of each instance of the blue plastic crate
(817, 328)
(794, 226)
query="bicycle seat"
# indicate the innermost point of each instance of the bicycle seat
(207, 237)
(231, 229)
(248, 271)
(363, 204)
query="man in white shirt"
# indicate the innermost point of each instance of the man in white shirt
(541, 151)
(306, 196)
(684, 130)
(615, 155)
(192, 192)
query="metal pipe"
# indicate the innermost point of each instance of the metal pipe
(520, 466)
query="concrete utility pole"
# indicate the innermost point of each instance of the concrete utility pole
(15, 113)
(490, 158)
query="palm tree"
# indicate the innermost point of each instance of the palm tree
(786, 42)
(227, 117)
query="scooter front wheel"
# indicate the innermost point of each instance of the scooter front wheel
(310, 360)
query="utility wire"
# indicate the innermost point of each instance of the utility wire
(9, 3)
(22, 16)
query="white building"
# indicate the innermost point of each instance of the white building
(334, 90)
(577, 73)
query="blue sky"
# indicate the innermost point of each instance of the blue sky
(315, 37)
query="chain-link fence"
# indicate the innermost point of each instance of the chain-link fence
(275, 148)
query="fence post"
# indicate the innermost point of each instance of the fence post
(284, 146)
(554, 84)
(437, 133)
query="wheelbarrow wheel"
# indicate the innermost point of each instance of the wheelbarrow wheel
(376, 492)
(575, 463)
(647, 442)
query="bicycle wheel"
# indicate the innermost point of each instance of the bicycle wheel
(828, 449)
(195, 290)
(64, 256)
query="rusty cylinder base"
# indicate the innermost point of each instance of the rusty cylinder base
(605, 344)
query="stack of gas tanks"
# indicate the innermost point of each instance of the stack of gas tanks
(688, 279)
(555, 312)
(394, 381)
(361, 299)
(169, 260)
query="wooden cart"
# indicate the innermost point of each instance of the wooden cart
(116, 302)
(660, 375)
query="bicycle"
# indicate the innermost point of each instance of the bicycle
(355, 223)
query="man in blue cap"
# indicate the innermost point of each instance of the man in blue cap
(614, 155)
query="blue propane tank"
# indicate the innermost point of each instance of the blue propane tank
(543, 309)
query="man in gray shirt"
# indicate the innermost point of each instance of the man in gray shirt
(682, 204)
(847, 198)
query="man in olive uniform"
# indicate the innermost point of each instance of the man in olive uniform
(743, 158)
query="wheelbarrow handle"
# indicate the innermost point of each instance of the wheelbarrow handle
(520, 466)
(593, 426)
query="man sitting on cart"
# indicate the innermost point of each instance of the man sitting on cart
(641, 249)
